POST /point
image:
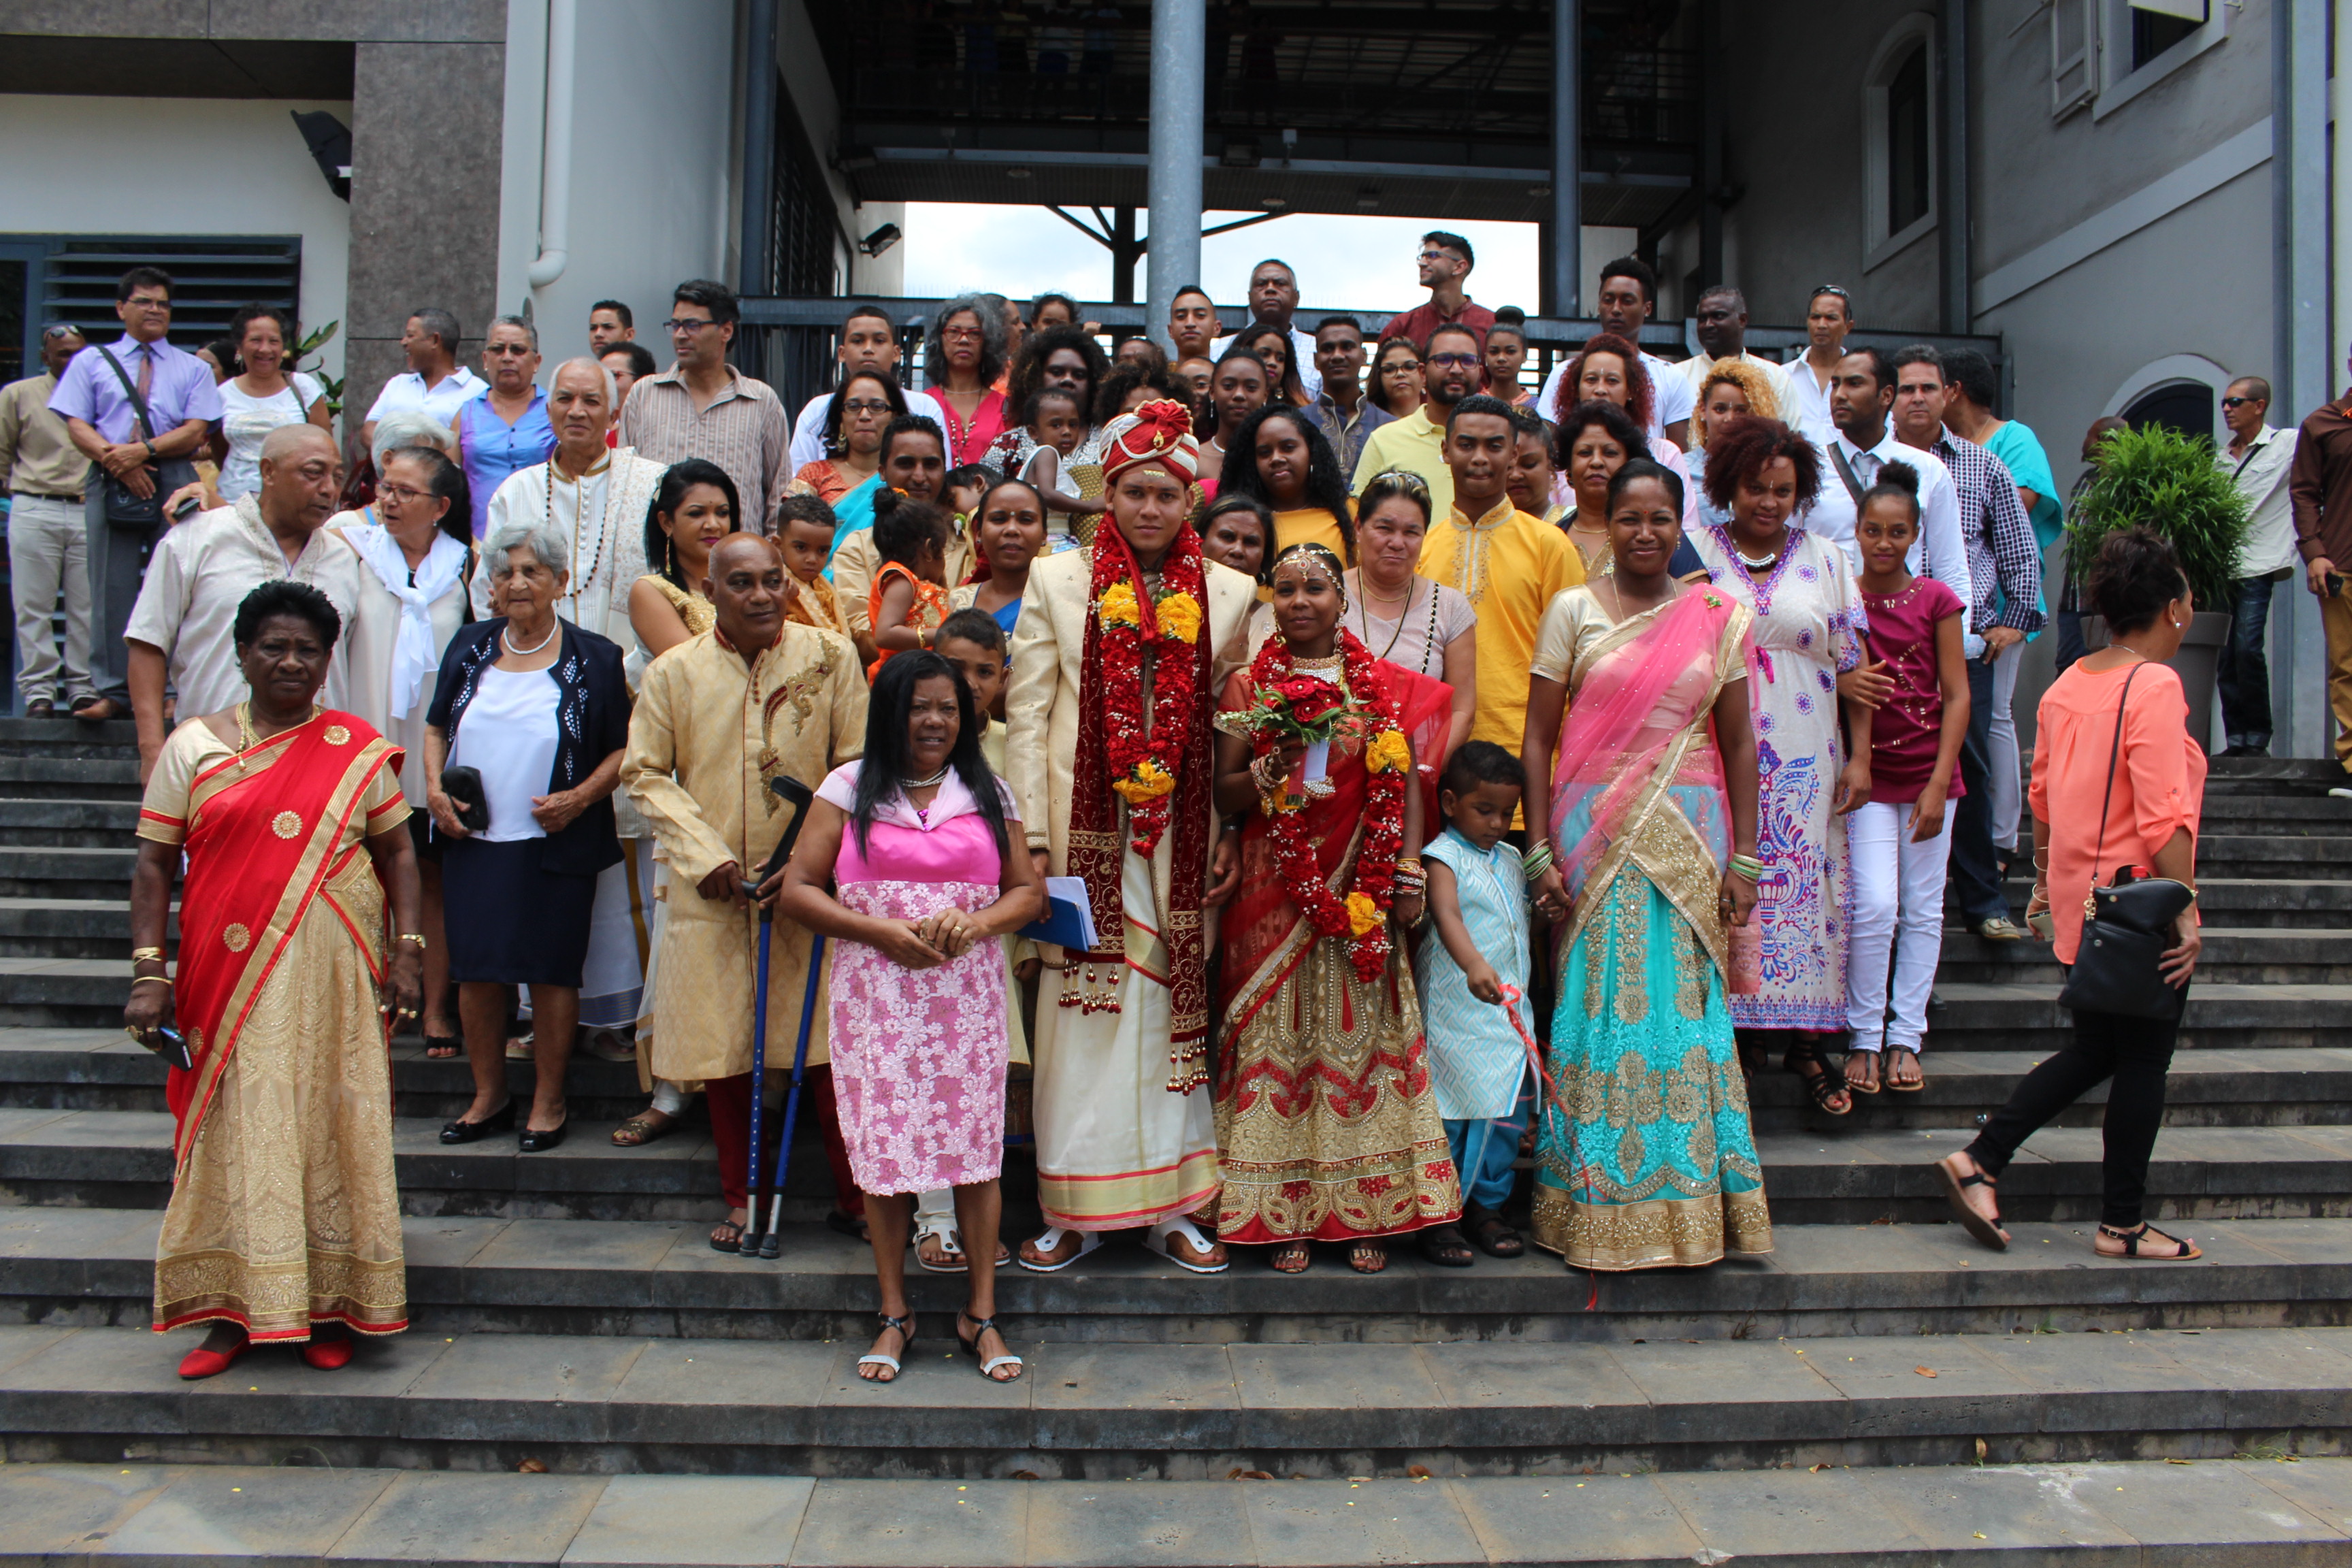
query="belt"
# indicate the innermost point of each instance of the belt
(46, 495)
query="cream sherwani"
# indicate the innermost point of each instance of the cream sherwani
(708, 734)
(602, 518)
(1115, 1149)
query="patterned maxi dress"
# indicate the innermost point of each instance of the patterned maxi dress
(1807, 630)
(919, 1055)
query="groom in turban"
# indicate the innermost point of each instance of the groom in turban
(1118, 651)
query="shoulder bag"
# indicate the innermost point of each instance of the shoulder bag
(125, 509)
(2127, 927)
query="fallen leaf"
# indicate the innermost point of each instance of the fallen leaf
(532, 1467)
(1024, 1475)
(1418, 1472)
(1980, 1451)
(1980, 1535)
(2176, 1461)
(1249, 1476)
(1925, 1371)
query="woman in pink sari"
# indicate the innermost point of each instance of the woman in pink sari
(1646, 860)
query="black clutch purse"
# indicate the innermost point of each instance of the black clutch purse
(2127, 927)
(463, 786)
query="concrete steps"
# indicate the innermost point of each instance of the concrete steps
(2246, 1513)
(94, 1267)
(2234, 955)
(1192, 1412)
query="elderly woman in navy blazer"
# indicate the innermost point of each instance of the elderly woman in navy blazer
(540, 710)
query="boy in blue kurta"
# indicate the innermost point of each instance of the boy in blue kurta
(1477, 1065)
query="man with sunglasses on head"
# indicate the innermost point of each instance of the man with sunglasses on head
(138, 409)
(47, 540)
(1829, 317)
(1629, 294)
(704, 407)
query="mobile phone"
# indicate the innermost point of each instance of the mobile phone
(173, 1046)
(187, 509)
(2336, 584)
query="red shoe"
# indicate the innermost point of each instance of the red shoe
(203, 1362)
(327, 1355)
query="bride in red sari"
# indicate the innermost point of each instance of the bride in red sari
(284, 1222)
(1327, 1127)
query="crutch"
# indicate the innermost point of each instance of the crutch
(773, 1242)
(797, 795)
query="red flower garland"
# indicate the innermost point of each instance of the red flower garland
(1147, 764)
(1374, 876)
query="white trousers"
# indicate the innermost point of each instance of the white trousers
(2008, 786)
(48, 556)
(1899, 901)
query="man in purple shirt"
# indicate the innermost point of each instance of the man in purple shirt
(150, 457)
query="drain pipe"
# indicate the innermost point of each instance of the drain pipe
(555, 152)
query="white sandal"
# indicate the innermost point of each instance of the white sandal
(1050, 1238)
(1157, 1237)
(944, 1231)
(906, 1327)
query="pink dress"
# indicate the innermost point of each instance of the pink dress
(919, 1055)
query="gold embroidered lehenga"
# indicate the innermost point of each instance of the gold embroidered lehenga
(283, 1213)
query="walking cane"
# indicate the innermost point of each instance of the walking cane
(797, 794)
(773, 1242)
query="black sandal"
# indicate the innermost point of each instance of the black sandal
(1818, 1083)
(1956, 1187)
(2132, 1239)
(1445, 1246)
(988, 1364)
(1494, 1234)
(732, 1243)
(846, 1224)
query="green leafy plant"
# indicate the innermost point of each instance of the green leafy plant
(331, 385)
(2170, 484)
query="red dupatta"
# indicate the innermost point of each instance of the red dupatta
(261, 843)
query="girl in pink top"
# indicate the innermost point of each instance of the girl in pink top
(1898, 843)
(2150, 814)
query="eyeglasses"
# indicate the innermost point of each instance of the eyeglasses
(502, 350)
(2242, 401)
(866, 405)
(1400, 364)
(1436, 256)
(961, 334)
(1451, 359)
(148, 304)
(404, 494)
(677, 325)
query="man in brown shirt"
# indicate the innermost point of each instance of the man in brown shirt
(704, 407)
(2320, 485)
(48, 542)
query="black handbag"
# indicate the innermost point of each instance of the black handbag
(125, 508)
(463, 786)
(2127, 927)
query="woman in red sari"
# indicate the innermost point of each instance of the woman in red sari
(1327, 1129)
(284, 1223)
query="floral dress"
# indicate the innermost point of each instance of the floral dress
(1807, 630)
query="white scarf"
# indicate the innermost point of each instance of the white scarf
(412, 654)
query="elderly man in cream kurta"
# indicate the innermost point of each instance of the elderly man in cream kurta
(1125, 1133)
(718, 719)
(595, 498)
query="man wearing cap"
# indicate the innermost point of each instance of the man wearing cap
(1116, 658)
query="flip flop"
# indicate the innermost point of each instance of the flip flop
(1050, 1239)
(1157, 1237)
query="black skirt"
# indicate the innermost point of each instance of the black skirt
(507, 921)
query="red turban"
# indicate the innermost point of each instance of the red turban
(1159, 432)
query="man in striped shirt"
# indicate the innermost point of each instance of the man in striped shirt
(2005, 575)
(704, 407)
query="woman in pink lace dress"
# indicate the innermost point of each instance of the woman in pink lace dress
(912, 843)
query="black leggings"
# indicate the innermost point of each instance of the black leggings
(2134, 1052)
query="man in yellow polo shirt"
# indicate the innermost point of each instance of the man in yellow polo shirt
(1508, 564)
(1450, 371)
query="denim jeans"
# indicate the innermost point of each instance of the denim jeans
(2245, 674)
(1976, 877)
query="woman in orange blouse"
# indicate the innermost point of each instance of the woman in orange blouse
(2150, 816)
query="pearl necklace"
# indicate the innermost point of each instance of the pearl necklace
(506, 640)
(940, 777)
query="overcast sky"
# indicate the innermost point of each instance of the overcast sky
(1343, 262)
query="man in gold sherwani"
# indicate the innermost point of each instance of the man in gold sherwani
(718, 717)
(1125, 1133)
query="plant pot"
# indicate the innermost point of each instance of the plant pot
(2198, 664)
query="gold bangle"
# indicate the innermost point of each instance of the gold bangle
(158, 979)
(141, 953)
(416, 937)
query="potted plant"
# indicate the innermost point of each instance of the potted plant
(2156, 477)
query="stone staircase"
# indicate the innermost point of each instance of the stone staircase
(1878, 1390)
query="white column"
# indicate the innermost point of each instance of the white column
(1179, 37)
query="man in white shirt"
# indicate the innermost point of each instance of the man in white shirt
(1720, 323)
(869, 346)
(1629, 292)
(1274, 299)
(435, 382)
(1829, 317)
(2258, 460)
(1860, 397)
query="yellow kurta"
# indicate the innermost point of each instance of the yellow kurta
(286, 1212)
(1508, 565)
(708, 733)
(1115, 1149)
(1413, 443)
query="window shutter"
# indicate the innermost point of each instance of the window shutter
(2073, 54)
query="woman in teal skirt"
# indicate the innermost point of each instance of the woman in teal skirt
(1647, 861)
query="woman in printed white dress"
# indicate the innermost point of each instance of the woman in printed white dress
(913, 838)
(1807, 663)
(262, 396)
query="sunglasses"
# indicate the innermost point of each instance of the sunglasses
(2242, 401)
(502, 350)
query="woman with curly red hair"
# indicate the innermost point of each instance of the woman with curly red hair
(1808, 662)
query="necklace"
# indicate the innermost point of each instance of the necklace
(579, 486)
(924, 783)
(247, 737)
(1404, 610)
(506, 638)
(1332, 664)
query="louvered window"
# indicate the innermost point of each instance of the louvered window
(212, 277)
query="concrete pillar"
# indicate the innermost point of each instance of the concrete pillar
(1953, 260)
(754, 265)
(1179, 35)
(2304, 353)
(1566, 252)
